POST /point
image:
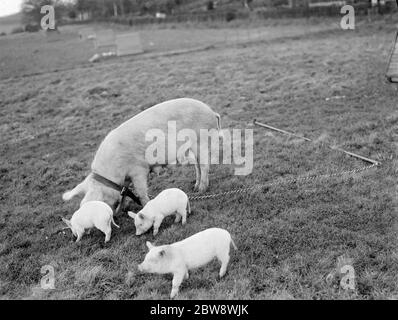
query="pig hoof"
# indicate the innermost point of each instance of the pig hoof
(202, 189)
(173, 295)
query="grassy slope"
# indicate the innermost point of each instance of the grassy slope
(8, 23)
(289, 237)
(33, 53)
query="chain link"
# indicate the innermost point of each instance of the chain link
(196, 196)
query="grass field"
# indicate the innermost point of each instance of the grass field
(37, 53)
(8, 23)
(328, 85)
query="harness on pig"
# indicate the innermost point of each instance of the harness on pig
(124, 190)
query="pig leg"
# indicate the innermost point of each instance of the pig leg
(177, 280)
(204, 178)
(107, 230)
(156, 225)
(183, 213)
(79, 235)
(224, 259)
(140, 184)
(194, 160)
(197, 174)
(108, 234)
(204, 169)
(178, 218)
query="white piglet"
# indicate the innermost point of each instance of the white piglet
(92, 214)
(168, 202)
(193, 252)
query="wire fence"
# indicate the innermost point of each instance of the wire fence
(300, 179)
(259, 13)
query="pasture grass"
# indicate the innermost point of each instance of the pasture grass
(29, 54)
(11, 22)
(329, 86)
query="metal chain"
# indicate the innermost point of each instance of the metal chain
(195, 196)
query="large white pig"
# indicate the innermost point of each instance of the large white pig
(168, 202)
(193, 252)
(92, 214)
(121, 157)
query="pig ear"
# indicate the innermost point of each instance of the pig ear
(149, 245)
(67, 222)
(131, 214)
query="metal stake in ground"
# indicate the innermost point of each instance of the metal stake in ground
(308, 139)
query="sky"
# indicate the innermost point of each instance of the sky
(8, 7)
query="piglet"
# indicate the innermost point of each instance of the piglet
(92, 214)
(193, 252)
(168, 202)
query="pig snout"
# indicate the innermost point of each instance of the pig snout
(141, 230)
(142, 267)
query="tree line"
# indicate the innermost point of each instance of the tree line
(108, 8)
(91, 9)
